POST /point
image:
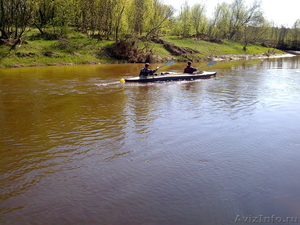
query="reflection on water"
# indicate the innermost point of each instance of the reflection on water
(78, 147)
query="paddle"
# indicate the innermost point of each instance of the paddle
(209, 64)
(167, 64)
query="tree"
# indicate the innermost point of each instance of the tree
(282, 36)
(296, 35)
(161, 14)
(139, 15)
(64, 16)
(43, 14)
(242, 16)
(86, 19)
(185, 19)
(120, 8)
(255, 25)
(15, 17)
(198, 18)
(219, 26)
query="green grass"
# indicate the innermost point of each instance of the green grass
(55, 52)
(79, 49)
(209, 48)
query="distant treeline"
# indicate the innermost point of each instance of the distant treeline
(118, 19)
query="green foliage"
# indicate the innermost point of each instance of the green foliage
(198, 19)
(185, 21)
(115, 19)
(76, 29)
(219, 27)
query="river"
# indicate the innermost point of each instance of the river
(79, 147)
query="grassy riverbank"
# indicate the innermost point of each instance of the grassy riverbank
(83, 50)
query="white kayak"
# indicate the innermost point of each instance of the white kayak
(171, 77)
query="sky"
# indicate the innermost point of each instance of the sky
(281, 12)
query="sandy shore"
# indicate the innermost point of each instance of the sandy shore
(250, 57)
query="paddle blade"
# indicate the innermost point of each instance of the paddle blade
(169, 63)
(211, 63)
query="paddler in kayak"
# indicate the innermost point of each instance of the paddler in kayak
(189, 68)
(146, 71)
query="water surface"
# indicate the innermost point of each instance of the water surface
(79, 147)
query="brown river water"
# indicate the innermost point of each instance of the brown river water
(79, 147)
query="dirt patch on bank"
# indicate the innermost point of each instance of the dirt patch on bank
(130, 51)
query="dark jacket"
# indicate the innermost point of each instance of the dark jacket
(189, 69)
(146, 72)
